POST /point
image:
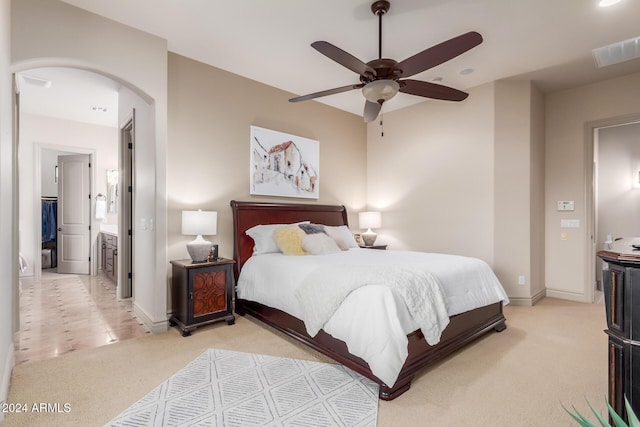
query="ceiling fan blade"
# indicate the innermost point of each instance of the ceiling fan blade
(326, 92)
(431, 90)
(371, 111)
(438, 54)
(343, 58)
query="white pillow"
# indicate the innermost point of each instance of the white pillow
(262, 236)
(319, 244)
(341, 232)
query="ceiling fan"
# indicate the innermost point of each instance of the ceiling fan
(380, 79)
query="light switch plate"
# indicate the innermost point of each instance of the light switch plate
(569, 223)
(566, 205)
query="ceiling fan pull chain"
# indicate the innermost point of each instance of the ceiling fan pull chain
(381, 123)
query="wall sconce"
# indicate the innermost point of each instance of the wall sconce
(199, 223)
(369, 220)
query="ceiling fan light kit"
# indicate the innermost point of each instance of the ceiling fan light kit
(380, 90)
(380, 79)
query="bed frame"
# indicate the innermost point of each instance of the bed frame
(462, 328)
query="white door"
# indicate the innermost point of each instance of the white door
(74, 214)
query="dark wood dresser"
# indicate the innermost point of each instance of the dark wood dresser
(621, 283)
(201, 293)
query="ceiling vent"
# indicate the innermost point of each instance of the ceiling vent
(617, 52)
(36, 81)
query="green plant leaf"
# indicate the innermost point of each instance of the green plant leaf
(617, 419)
(600, 418)
(633, 419)
(579, 418)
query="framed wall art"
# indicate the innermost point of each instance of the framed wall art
(284, 165)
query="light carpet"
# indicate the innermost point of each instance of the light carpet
(228, 388)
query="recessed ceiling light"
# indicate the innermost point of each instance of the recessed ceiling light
(466, 71)
(607, 3)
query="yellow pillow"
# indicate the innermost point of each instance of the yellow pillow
(289, 240)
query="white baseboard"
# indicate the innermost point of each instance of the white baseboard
(5, 380)
(528, 301)
(552, 293)
(159, 327)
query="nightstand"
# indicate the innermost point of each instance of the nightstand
(201, 293)
(382, 247)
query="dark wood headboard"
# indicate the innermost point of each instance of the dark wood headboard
(249, 214)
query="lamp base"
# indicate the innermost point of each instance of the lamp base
(369, 237)
(199, 249)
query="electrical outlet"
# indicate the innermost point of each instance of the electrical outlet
(520, 280)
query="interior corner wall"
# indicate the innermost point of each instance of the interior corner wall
(210, 114)
(432, 176)
(512, 191)
(537, 196)
(567, 115)
(8, 221)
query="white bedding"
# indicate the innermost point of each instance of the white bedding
(466, 283)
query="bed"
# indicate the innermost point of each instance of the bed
(461, 329)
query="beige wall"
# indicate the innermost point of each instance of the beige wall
(466, 178)
(432, 176)
(512, 191)
(537, 188)
(210, 112)
(568, 114)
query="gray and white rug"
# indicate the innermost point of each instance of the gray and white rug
(228, 388)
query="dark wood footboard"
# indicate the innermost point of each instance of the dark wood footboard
(462, 329)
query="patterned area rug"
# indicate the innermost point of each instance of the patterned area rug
(227, 388)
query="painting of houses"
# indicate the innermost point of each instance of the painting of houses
(284, 165)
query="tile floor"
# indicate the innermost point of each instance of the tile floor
(68, 312)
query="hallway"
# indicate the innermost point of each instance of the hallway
(67, 312)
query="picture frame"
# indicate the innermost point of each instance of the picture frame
(358, 238)
(284, 165)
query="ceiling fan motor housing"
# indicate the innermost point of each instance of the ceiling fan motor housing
(380, 7)
(384, 68)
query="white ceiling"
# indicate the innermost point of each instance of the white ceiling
(549, 41)
(72, 95)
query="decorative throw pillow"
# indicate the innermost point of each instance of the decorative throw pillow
(312, 228)
(289, 240)
(342, 235)
(262, 236)
(319, 244)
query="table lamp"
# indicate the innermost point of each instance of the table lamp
(199, 223)
(369, 220)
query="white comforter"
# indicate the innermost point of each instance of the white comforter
(322, 292)
(465, 283)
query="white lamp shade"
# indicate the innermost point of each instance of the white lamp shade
(199, 223)
(370, 219)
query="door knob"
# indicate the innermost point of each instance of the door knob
(59, 229)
